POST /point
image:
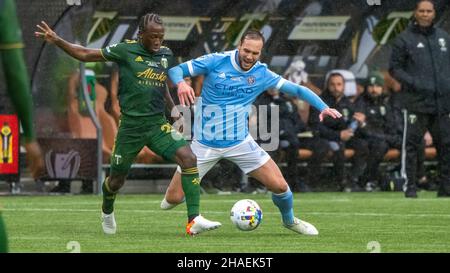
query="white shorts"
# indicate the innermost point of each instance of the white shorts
(248, 155)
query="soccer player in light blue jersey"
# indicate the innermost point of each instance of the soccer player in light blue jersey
(233, 80)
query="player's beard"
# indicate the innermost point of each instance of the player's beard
(248, 65)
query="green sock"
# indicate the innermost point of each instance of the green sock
(3, 237)
(191, 187)
(108, 197)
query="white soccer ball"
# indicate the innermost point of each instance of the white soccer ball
(246, 214)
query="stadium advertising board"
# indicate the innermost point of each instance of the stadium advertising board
(9, 145)
(69, 158)
(319, 28)
(178, 28)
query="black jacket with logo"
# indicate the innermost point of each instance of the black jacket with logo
(420, 60)
(288, 115)
(380, 121)
(330, 128)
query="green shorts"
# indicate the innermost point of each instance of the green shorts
(135, 133)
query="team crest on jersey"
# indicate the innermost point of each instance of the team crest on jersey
(442, 44)
(251, 80)
(345, 113)
(412, 119)
(382, 110)
(164, 62)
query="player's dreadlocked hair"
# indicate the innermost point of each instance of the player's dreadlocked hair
(147, 19)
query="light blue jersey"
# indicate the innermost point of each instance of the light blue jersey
(228, 93)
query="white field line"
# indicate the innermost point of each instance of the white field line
(130, 202)
(11, 202)
(337, 214)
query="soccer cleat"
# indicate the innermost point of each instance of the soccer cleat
(109, 223)
(302, 227)
(166, 205)
(200, 224)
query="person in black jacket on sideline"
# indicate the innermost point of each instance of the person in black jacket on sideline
(290, 127)
(380, 129)
(342, 134)
(420, 61)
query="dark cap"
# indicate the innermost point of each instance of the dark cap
(375, 78)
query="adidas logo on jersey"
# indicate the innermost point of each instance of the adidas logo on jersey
(420, 45)
(138, 59)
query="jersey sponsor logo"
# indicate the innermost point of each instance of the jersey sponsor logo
(231, 90)
(138, 59)
(238, 79)
(152, 64)
(149, 73)
(251, 80)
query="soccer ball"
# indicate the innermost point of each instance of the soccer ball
(246, 214)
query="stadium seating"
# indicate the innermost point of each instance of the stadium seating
(392, 155)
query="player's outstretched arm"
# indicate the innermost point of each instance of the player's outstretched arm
(80, 53)
(309, 96)
(186, 94)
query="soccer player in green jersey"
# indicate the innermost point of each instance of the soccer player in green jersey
(18, 84)
(143, 66)
(18, 89)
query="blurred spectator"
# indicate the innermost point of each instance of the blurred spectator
(291, 126)
(297, 74)
(357, 98)
(340, 133)
(80, 123)
(379, 127)
(420, 61)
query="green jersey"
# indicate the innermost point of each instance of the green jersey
(10, 36)
(142, 77)
(14, 69)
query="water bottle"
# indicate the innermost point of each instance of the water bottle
(353, 125)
